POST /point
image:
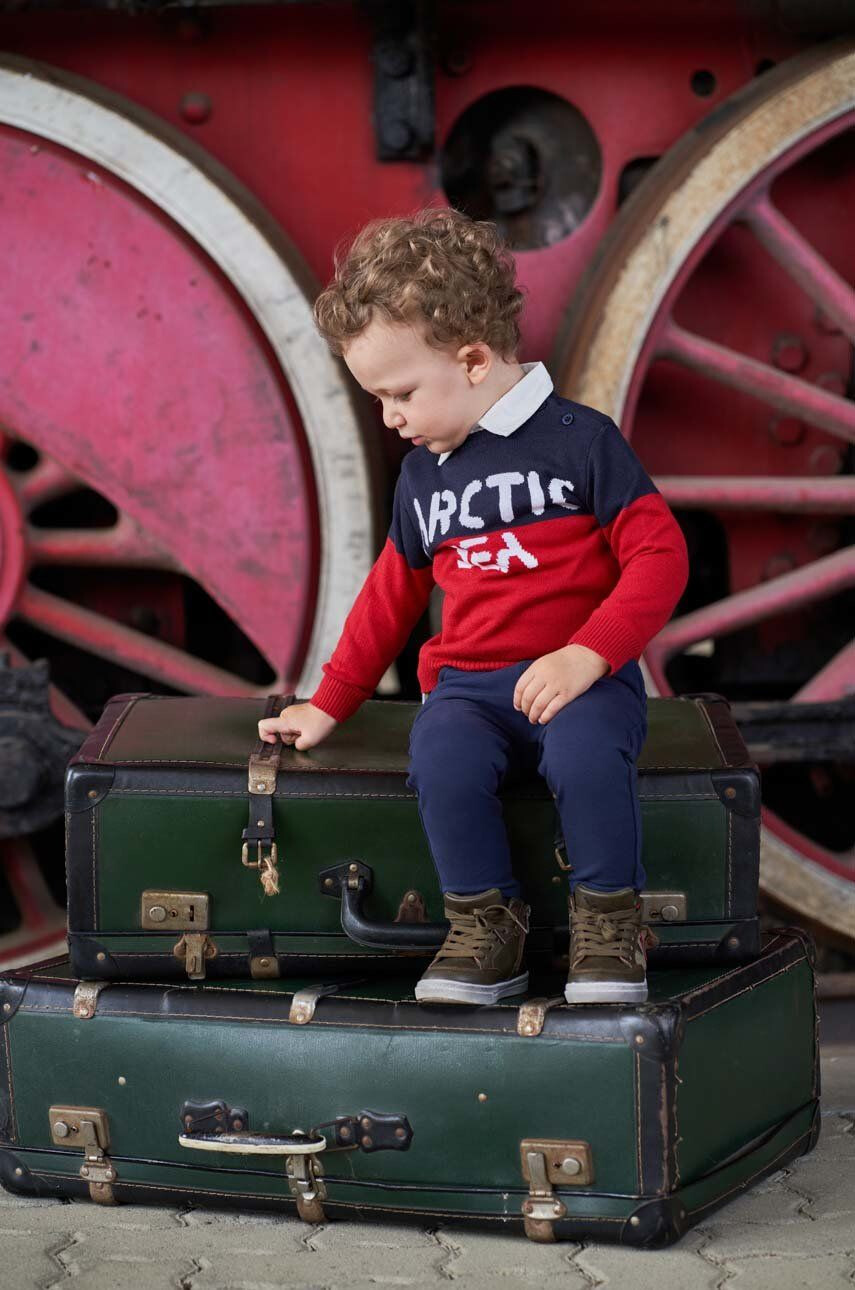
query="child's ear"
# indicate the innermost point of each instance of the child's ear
(477, 358)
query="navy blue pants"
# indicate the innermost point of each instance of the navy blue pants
(467, 738)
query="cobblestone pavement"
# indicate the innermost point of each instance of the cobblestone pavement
(796, 1229)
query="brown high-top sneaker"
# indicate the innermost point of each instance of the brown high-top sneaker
(481, 958)
(608, 960)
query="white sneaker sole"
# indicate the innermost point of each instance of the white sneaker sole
(606, 992)
(439, 991)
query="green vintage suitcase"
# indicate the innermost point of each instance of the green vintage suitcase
(629, 1123)
(161, 829)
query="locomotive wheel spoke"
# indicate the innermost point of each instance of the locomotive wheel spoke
(117, 643)
(47, 480)
(832, 681)
(124, 545)
(786, 493)
(797, 257)
(780, 390)
(789, 591)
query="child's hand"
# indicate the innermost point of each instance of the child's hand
(553, 680)
(301, 724)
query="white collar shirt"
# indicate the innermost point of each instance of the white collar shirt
(509, 412)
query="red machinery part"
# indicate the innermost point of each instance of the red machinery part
(719, 185)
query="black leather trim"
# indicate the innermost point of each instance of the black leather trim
(80, 872)
(12, 991)
(739, 790)
(781, 949)
(83, 952)
(655, 1224)
(727, 734)
(26, 1183)
(100, 736)
(86, 786)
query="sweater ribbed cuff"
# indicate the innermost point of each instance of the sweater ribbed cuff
(608, 638)
(337, 699)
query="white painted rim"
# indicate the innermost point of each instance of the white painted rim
(128, 142)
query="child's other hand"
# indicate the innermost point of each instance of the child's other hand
(553, 680)
(301, 724)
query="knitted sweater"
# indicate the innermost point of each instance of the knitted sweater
(542, 534)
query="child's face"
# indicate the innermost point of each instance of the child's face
(428, 395)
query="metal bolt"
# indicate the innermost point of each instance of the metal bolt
(411, 898)
(397, 134)
(557, 1208)
(19, 1173)
(367, 1141)
(328, 882)
(733, 942)
(259, 787)
(365, 1122)
(634, 1221)
(237, 1124)
(482, 1097)
(789, 353)
(556, 880)
(157, 913)
(7, 1007)
(639, 1039)
(730, 792)
(571, 1166)
(195, 108)
(264, 962)
(93, 792)
(394, 59)
(344, 1131)
(353, 868)
(787, 430)
(260, 823)
(188, 1120)
(121, 1080)
(61, 1129)
(101, 956)
(527, 1028)
(400, 1133)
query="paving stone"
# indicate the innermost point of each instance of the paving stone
(676, 1268)
(506, 1260)
(731, 1239)
(101, 1259)
(25, 1259)
(774, 1272)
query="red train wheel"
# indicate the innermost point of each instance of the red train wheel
(158, 360)
(734, 248)
(157, 347)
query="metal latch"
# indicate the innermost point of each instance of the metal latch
(663, 907)
(546, 1162)
(87, 1127)
(182, 911)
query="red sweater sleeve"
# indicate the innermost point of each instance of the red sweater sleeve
(392, 599)
(647, 543)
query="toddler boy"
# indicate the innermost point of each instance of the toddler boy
(559, 561)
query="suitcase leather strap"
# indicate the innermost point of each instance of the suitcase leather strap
(259, 849)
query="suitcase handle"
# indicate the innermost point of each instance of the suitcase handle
(351, 883)
(252, 1144)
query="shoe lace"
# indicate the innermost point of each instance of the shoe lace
(473, 935)
(605, 935)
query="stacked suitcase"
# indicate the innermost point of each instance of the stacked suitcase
(237, 1022)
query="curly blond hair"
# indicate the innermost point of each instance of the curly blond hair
(437, 266)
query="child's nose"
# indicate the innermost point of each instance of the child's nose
(394, 419)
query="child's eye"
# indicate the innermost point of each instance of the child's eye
(403, 397)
